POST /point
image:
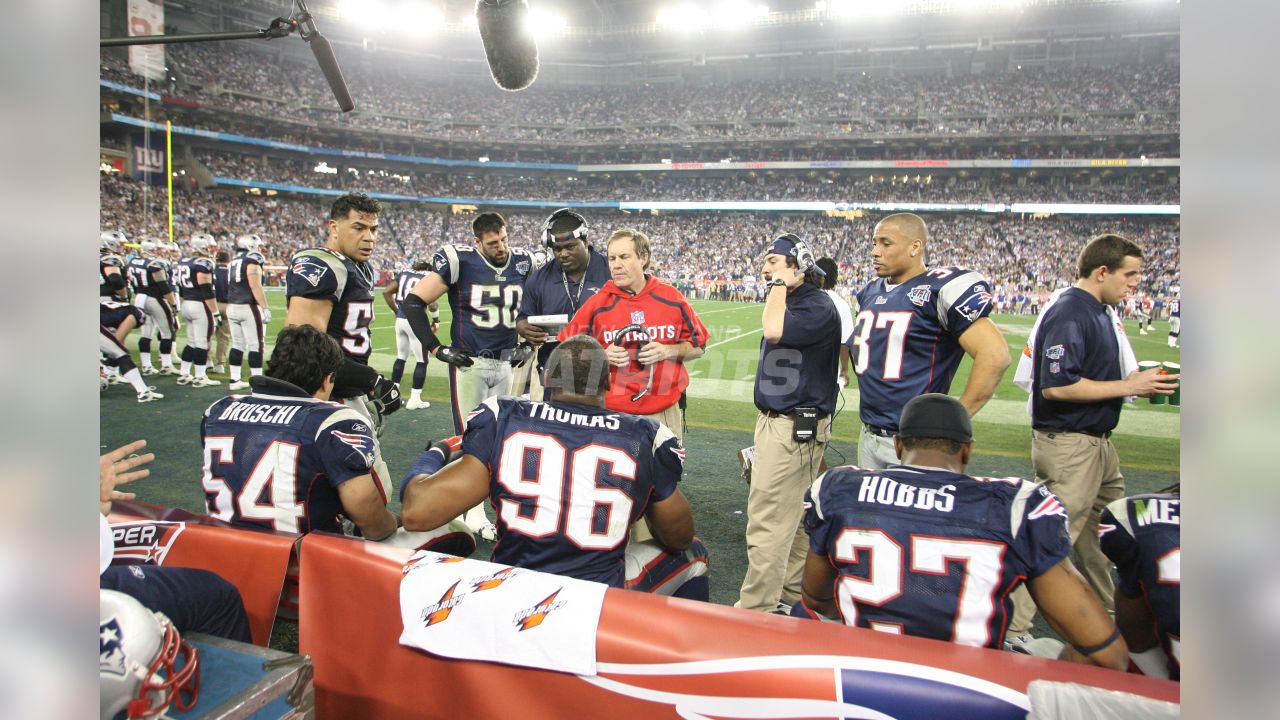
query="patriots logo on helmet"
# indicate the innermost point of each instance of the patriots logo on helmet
(310, 270)
(110, 648)
(920, 295)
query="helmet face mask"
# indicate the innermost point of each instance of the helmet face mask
(139, 668)
(202, 244)
(111, 242)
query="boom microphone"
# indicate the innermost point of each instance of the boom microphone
(329, 66)
(508, 42)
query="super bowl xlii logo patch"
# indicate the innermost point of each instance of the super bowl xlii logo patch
(919, 295)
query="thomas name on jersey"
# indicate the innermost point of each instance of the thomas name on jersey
(543, 411)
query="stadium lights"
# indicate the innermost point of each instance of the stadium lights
(739, 12)
(366, 13)
(420, 19)
(545, 22)
(684, 17)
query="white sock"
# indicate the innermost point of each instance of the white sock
(135, 379)
(235, 373)
(416, 394)
(186, 367)
(255, 372)
(201, 370)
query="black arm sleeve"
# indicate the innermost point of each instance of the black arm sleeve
(206, 291)
(354, 379)
(114, 281)
(415, 311)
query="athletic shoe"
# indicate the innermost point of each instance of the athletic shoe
(169, 370)
(746, 456)
(488, 532)
(149, 370)
(204, 382)
(416, 404)
(149, 395)
(238, 385)
(184, 379)
(1142, 332)
(1018, 643)
(116, 379)
(781, 609)
(219, 368)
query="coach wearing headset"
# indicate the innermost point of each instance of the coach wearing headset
(560, 287)
(795, 393)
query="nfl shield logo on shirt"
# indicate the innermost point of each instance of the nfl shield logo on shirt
(637, 317)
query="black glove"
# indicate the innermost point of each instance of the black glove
(387, 395)
(521, 354)
(456, 358)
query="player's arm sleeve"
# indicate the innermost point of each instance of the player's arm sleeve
(1039, 523)
(963, 301)
(531, 298)
(481, 434)
(1061, 347)
(415, 312)
(1116, 539)
(114, 280)
(668, 462)
(346, 446)
(314, 278)
(354, 378)
(815, 522)
(811, 321)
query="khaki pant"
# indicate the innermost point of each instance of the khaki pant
(776, 542)
(222, 337)
(1083, 471)
(875, 452)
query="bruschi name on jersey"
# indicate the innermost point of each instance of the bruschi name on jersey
(255, 413)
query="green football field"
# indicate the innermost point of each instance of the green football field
(719, 421)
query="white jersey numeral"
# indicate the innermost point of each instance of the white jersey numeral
(983, 568)
(494, 305)
(585, 501)
(897, 322)
(270, 492)
(356, 327)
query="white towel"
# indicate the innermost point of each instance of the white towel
(1022, 375)
(476, 610)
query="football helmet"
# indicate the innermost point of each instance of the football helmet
(149, 248)
(138, 660)
(111, 241)
(202, 243)
(249, 242)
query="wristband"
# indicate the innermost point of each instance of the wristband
(1115, 635)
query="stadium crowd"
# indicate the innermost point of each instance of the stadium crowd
(707, 255)
(812, 185)
(1121, 98)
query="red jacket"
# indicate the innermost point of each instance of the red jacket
(668, 318)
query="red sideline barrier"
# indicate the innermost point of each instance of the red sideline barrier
(253, 561)
(750, 660)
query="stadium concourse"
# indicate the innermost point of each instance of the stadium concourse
(1015, 146)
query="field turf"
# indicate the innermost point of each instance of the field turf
(719, 421)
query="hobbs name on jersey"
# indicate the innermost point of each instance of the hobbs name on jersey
(885, 491)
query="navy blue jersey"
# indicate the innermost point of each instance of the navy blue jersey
(406, 281)
(238, 290)
(148, 276)
(1142, 536)
(800, 369)
(484, 299)
(185, 276)
(1175, 308)
(932, 553)
(549, 292)
(275, 459)
(1076, 340)
(906, 339)
(221, 280)
(567, 482)
(104, 262)
(112, 313)
(322, 274)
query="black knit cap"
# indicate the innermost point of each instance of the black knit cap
(935, 415)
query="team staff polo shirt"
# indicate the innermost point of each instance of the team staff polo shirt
(549, 292)
(667, 317)
(800, 369)
(1076, 340)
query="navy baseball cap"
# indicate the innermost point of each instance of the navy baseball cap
(786, 244)
(935, 415)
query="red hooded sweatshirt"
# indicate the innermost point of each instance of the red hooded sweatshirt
(667, 317)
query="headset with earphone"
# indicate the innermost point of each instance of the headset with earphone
(805, 261)
(578, 233)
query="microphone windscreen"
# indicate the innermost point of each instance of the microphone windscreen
(329, 66)
(508, 42)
